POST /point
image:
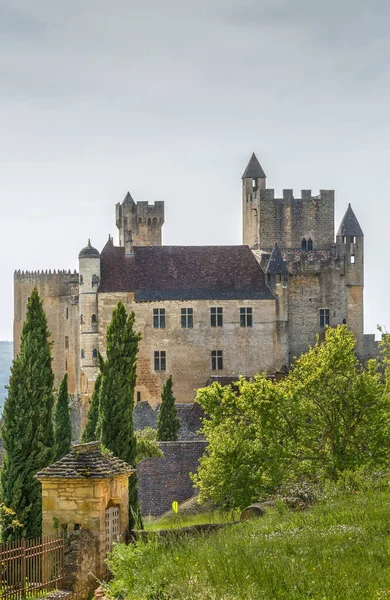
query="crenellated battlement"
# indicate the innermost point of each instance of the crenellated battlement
(41, 274)
(139, 223)
(268, 194)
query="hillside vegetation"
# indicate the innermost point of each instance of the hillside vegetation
(338, 549)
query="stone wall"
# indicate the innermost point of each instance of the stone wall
(81, 564)
(163, 480)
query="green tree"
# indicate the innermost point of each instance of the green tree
(115, 422)
(168, 423)
(62, 422)
(27, 428)
(147, 446)
(90, 432)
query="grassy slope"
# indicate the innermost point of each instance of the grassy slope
(339, 549)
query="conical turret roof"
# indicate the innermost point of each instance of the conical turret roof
(350, 225)
(254, 169)
(276, 264)
(128, 199)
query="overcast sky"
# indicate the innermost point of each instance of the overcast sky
(168, 100)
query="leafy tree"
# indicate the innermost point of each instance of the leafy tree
(62, 422)
(27, 429)
(115, 422)
(90, 432)
(168, 423)
(147, 446)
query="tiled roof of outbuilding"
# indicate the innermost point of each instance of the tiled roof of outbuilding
(86, 461)
(183, 273)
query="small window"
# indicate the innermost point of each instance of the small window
(245, 317)
(66, 342)
(324, 317)
(66, 365)
(94, 353)
(304, 244)
(159, 318)
(216, 360)
(352, 259)
(67, 313)
(310, 244)
(187, 318)
(82, 354)
(253, 183)
(138, 396)
(81, 279)
(81, 319)
(344, 239)
(160, 360)
(95, 280)
(353, 239)
(216, 316)
(93, 319)
(269, 277)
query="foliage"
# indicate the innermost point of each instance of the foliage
(168, 423)
(62, 422)
(115, 422)
(90, 432)
(147, 446)
(27, 429)
(328, 415)
(338, 549)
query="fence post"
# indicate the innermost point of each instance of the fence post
(23, 567)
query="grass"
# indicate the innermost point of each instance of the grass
(337, 550)
(186, 520)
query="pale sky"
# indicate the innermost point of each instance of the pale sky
(168, 100)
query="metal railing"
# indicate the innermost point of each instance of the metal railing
(30, 568)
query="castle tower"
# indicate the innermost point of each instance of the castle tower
(89, 273)
(253, 179)
(139, 224)
(277, 278)
(350, 249)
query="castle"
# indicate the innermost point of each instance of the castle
(206, 311)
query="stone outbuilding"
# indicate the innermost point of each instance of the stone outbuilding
(87, 489)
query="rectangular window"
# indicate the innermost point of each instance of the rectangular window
(66, 365)
(216, 317)
(67, 313)
(138, 396)
(344, 239)
(187, 318)
(352, 259)
(353, 239)
(160, 360)
(216, 360)
(66, 342)
(245, 317)
(159, 318)
(324, 317)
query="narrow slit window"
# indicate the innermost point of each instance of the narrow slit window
(66, 342)
(216, 316)
(159, 318)
(94, 353)
(82, 354)
(216, 360)
(187, 318)
(352, 259)
(67, 313)
(304, 244)
(138, 396)
(310, 244)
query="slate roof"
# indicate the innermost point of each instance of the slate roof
(254, 169)
(128, 199)
(276, 264)
(156, 273)
(86, 461)
(350, 225)
(89, 251)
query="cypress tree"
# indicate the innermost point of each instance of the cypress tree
(168, 423)
(62, 422)
(90, 432)
(115, 423)
(27, 428)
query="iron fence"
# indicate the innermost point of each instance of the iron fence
(30, 568)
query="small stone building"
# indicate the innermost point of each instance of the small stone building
(87, 489)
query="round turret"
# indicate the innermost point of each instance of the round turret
(89, 252)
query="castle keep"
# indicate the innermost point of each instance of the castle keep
(206, 311)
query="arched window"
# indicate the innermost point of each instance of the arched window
(94, 353)
(82, 354)
(310, 244)
(149, 222)
(95, 280)
(93, 319)
(304, 244)
(81, 279)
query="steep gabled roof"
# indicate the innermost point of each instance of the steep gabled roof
(86, 461)
(254, 169)
(276, 264)
(183, 273)
(350, 225)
